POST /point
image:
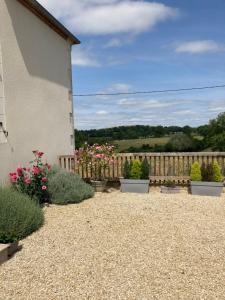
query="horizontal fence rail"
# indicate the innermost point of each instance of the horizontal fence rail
(163, 166)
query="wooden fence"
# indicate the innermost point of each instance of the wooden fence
(162, 165)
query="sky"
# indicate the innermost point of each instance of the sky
(130, 45)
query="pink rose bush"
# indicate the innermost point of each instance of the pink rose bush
(97, 158)
(34, 179)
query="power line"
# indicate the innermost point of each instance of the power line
(150, 92)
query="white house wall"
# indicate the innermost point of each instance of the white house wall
(2, 102)
(37, 88)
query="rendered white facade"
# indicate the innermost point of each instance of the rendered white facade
(35, 88)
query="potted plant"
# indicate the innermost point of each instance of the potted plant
(96, 158)
(170, 188)
(136, 177)
(206, 180)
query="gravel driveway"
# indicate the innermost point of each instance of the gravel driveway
(123, 246)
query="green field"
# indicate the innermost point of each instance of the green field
(125, 144)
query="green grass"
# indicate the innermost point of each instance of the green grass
(125, 144)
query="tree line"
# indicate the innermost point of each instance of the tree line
(210, 136)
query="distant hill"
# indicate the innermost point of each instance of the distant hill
(138, 138)
(129, 132)
(144, 138)
(132, 132)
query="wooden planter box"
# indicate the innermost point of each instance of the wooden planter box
(134, 186)
(7, 250)
(202, 188)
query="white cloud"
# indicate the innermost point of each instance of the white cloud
(195, 47)
(102, 112)
(220, 108)
(83, 58)
(119, 88)
(109, 16)
(114, 42)
(144, 104)
(184, 112)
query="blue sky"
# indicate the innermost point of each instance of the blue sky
(130, 45)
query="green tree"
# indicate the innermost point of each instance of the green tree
(216, 134)
(187, 130)
(217, 142)
(203, 130)
(181, 142)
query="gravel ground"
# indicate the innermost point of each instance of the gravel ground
(123, 246)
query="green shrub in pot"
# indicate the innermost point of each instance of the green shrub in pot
(136, 177)
(136, 170)
(145, 167)
(207, 180)
(217, 175)
(207, 172)
(196, 172)
(126, 170)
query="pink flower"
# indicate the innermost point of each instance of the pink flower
(44, 188)
(19, 170)
(40, 154)
(13, 177)
(35, 170)
(44, 179)
(27, 181)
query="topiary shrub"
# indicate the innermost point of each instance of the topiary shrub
(207, 172)
(126, 170)
(19, 215)
(217, 175)
(136, 170)
(67, 188)
(145, 167)
(195, 172)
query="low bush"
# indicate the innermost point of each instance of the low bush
(207, 172)
(217, 175)
(136, 170)
(145, 167)
(19, 216)
(196, 172)
(67, 188)
(126, 170)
